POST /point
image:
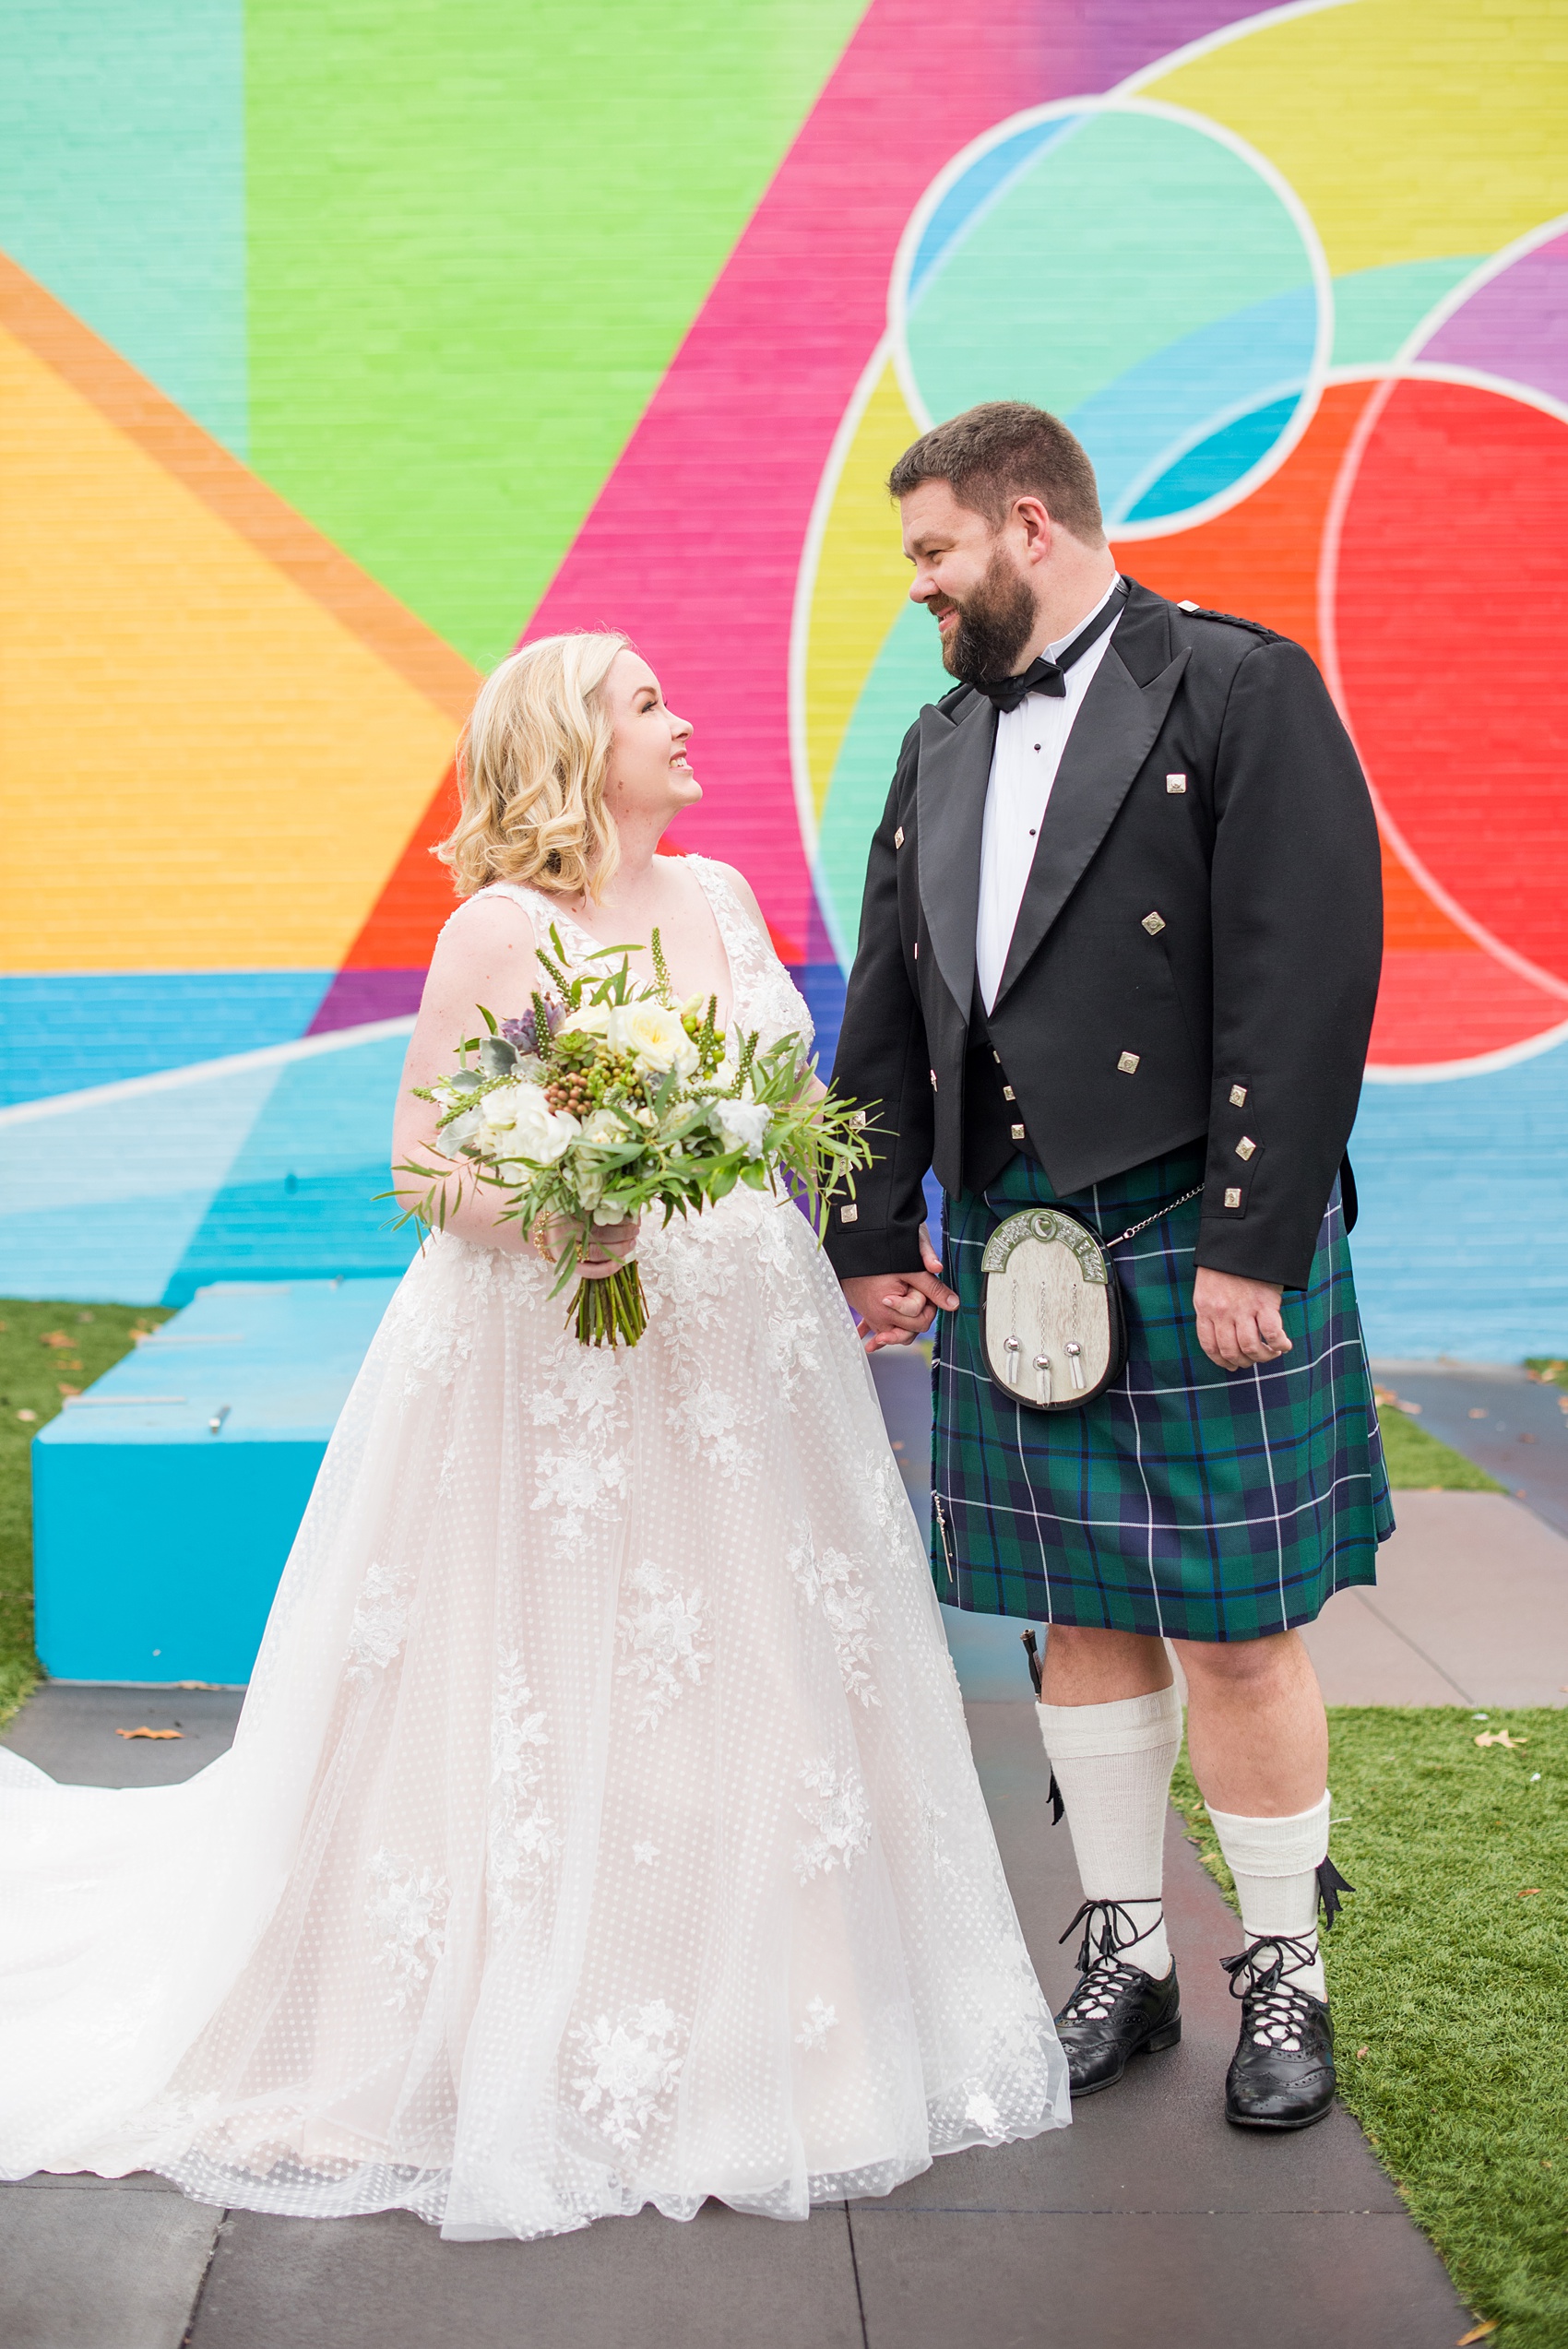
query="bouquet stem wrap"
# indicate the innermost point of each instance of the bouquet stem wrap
(611, 1311)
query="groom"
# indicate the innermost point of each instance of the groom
(1119, 944)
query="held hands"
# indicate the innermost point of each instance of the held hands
(1237, 1320)
(894, 1309)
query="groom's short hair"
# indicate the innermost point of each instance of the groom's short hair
(1004, 450)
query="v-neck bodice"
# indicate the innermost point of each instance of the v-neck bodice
(762, 994)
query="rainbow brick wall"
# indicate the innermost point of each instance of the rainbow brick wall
(345, 346)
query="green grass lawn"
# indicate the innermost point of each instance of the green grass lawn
(45, 1351)
(1447, 1973)
(1418, 1463)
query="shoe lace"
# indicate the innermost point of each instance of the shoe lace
(1108, 1929)
(1275, 2010)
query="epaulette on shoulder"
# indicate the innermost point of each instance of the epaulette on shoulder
(1231, 620)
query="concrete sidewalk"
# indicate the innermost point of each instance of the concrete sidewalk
(1148, 2221)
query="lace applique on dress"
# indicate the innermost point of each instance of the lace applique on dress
(408, 1908)
(662, 1642)
(524, 1839)
(381, 1621)
(833, 1581)
(834, 1804)
(582, 1394)
(819, 2020)
(627, 2068)
(764, 996)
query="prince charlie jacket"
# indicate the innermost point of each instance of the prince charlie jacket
(1196, 954)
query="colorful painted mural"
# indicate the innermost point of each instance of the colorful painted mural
(345, 347)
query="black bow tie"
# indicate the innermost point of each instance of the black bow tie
(1043, 676)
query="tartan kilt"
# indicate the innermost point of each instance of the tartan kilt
(1186, 1500)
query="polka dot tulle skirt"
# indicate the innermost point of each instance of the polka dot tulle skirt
(601, 1829)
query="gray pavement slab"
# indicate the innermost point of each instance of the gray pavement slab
(1470, 1607)
(72, 1730)
(104, 2269)
(723, 2282)
(1511, 1425)
(1002, 2281)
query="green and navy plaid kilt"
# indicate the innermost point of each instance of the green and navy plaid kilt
(1186, 1500)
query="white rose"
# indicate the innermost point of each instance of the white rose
(742, 1124)
(654, 1036)
(500, 1108)
(532, 1128)
(592, 1020)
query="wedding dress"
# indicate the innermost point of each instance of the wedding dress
(600, 1828)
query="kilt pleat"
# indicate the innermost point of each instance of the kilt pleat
(1188, 1500)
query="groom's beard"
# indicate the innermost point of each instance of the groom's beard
(994, 626)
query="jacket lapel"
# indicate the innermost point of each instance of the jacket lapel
(954, 772)
(1112, 735)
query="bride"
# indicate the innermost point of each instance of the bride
(600, 1827)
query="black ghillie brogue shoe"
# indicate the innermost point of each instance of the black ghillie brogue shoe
(1281, 2075)
(1118, 2011)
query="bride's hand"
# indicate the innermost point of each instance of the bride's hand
(609, 1245)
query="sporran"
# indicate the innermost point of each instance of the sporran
(1051, 1308)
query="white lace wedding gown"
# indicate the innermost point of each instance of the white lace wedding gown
(600, 1828)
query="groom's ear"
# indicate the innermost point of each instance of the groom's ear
(1028, 516)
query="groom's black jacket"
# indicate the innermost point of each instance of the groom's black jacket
(1206, 894)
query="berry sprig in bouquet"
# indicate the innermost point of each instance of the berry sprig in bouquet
(608, 1099)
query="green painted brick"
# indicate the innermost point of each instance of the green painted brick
(476, 233)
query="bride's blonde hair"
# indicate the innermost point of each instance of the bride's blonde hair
(531, 767)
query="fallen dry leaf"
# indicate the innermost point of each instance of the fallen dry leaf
(54, 1337)
(1529, 1892)
(1478, 2333)
(67, 1390)
(1500, 1738)
(26, 1415)
(1361, 2054)
(149, 1733)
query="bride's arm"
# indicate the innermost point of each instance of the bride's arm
(484, 956)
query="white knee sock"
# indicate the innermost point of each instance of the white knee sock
(1275, 1862)
(1112, 1764)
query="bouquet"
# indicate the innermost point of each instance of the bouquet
(608, 1099)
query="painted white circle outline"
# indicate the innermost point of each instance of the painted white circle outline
(1407, 367)
(1191, 517)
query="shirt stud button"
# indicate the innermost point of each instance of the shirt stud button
(1128, 1062)
(1238, 1097)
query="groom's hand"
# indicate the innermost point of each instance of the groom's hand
(894, 1309)
(1237, 1320)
